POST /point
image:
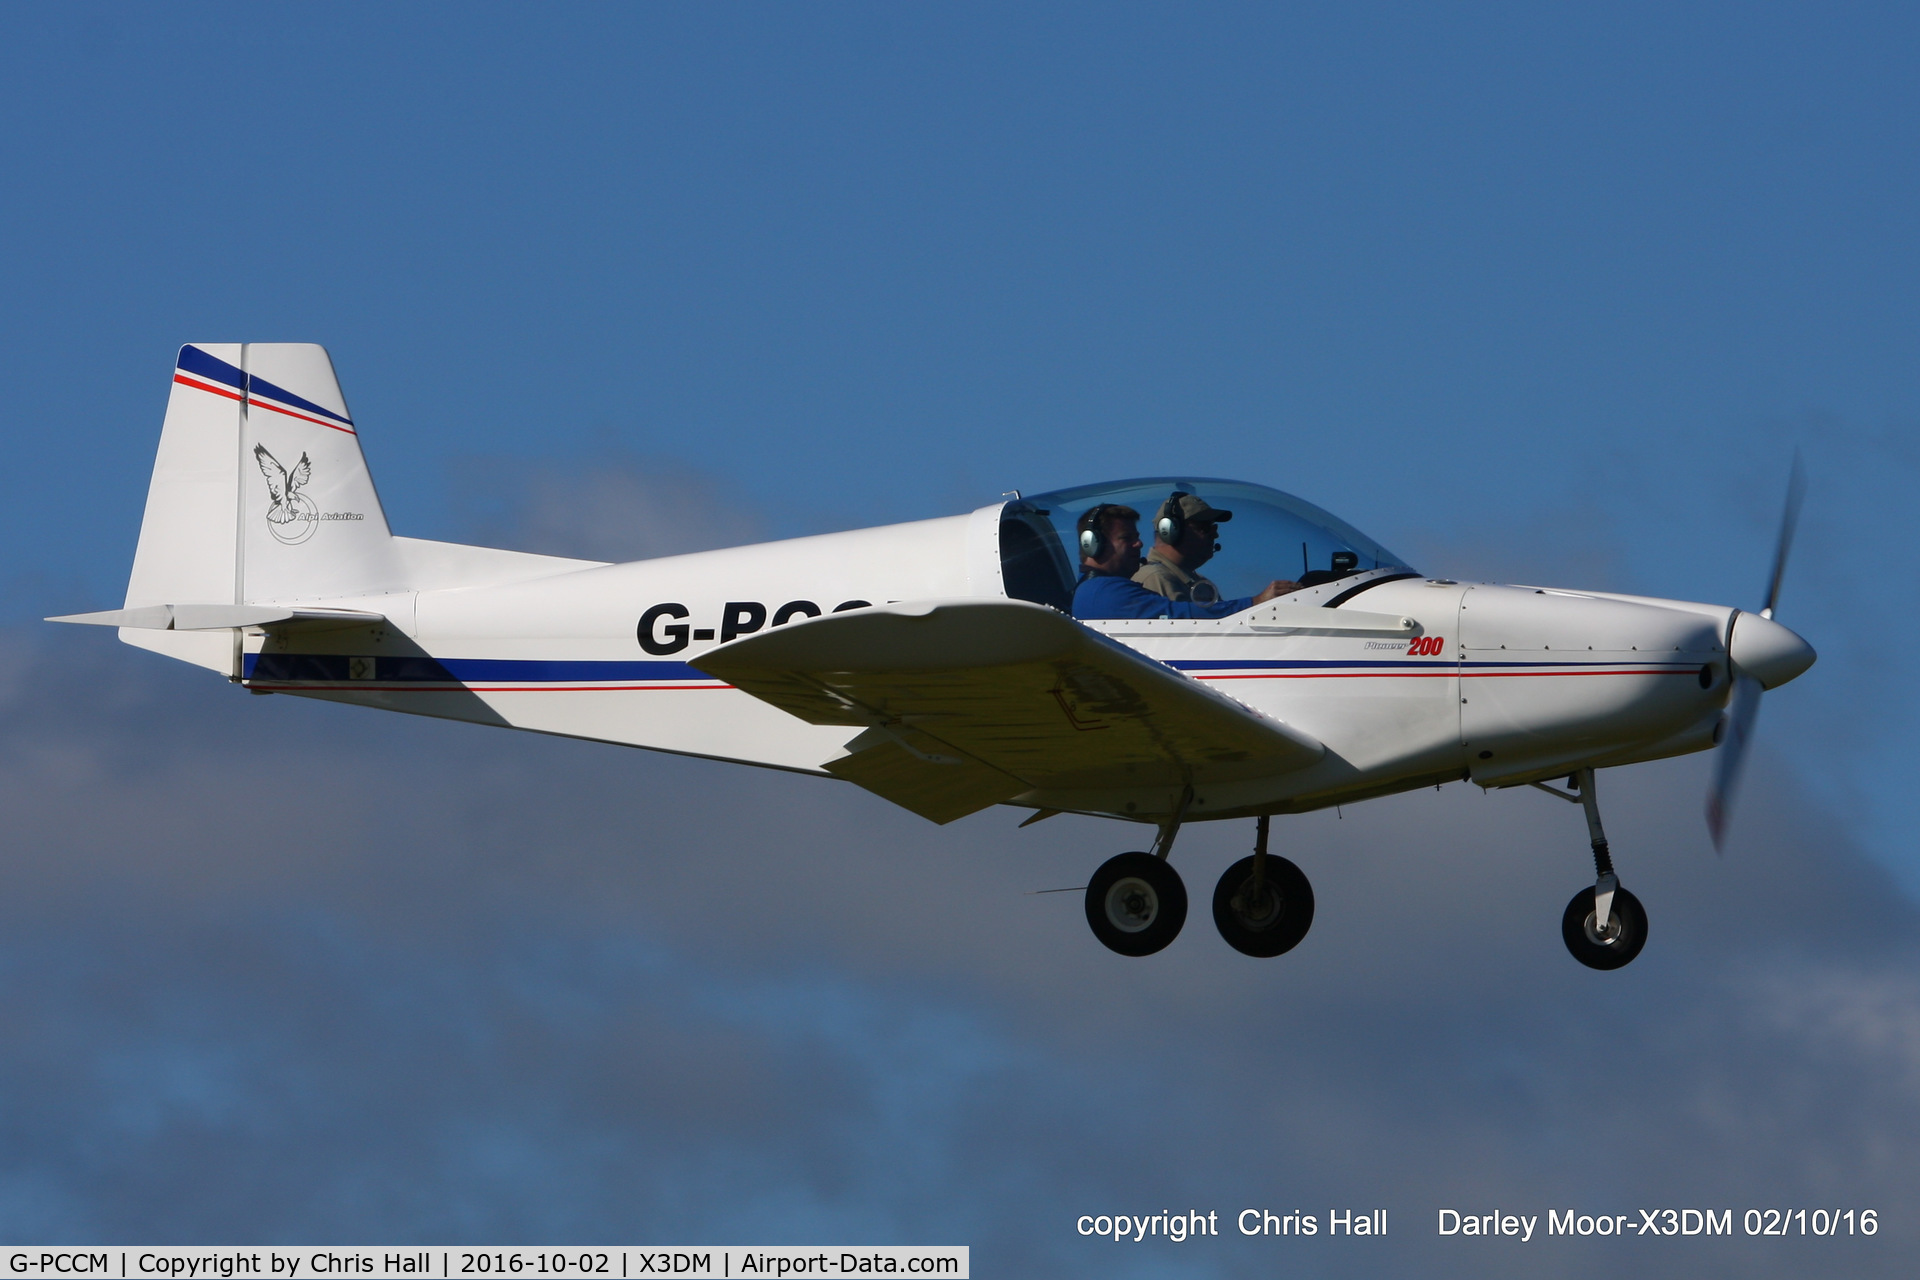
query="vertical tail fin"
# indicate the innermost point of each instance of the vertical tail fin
(311, 523)
(259, 492)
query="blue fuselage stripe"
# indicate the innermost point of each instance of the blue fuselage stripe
(423, 669)
(313, 666)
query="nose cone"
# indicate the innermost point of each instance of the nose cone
(1767, 651)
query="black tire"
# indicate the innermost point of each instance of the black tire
(1626, 934)
(1136, 904)
(1271, 923)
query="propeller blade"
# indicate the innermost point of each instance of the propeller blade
(1731, 759)
(1789, 521)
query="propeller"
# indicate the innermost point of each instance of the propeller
(1761, 654)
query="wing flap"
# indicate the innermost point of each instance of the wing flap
(923, 775)
(1018, 689)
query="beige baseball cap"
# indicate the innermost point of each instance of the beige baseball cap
(1194, 508)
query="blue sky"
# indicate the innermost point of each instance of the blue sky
(1536, 293)
(1562, 288)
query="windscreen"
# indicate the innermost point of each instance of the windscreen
(1272, 534)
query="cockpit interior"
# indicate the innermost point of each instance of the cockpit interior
(1272, 535)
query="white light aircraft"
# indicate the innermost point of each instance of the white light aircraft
(938, 663)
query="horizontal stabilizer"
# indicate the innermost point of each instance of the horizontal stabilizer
(976, 701)
(220, 617)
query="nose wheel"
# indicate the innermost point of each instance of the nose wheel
(1604, 927)
(1609, 947)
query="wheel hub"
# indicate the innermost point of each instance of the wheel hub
(1604, 937)
(1132, 905)
(1256, 906)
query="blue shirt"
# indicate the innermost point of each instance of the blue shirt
(1106, 596)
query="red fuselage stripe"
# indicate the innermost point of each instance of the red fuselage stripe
(1446, 675)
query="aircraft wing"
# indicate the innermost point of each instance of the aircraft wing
(972, 702)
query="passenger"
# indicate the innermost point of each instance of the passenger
(1109, 536)
(1184, 536)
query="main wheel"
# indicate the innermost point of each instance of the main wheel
(1136, 904)
(1611, 947)
(1265, 919)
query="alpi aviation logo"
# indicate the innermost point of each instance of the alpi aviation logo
(293, 517)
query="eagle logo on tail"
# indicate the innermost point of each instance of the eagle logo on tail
(292, 517)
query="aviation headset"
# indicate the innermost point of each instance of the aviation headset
(1171, 527)
(1172, 524)
(1093, 531)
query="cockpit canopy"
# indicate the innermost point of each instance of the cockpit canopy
(1272, 535)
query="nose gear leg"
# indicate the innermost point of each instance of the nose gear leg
(1605, 883)
(1605, 926)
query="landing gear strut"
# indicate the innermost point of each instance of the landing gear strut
(1263, 905)
(1597, 945)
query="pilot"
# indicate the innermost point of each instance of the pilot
(1183, 540)
(1109, 536)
